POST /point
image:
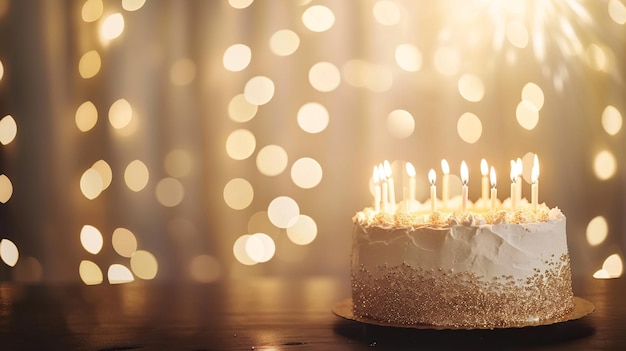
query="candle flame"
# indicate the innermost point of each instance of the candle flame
(520, 167)
(513, 171)
(387, 168)
(445, 168)
(432, 176)
(492, 177)
(535, 171)
(410, 170)
(375, 176)
(464, 173)
(484, 167)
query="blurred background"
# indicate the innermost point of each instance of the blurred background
(202, 140)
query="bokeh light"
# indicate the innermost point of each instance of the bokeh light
(259, 222)
(169, 192)
(408, 57)
(92, 10)
(8, 129)
(303, 231)
(91, 239)
(119, 274)
(205, 269)
(527, 115)
(517, 34)
(611, 120)
(239, 250)
(178, 163)
(597, 231)
(447, 61)
(386, 12)
(318, 18)
(136, 175)
(124, 242)
(617, 11)
(120, 114)
(240, 4)
(106, 174)
(259, 90)
(282, 210)
(284, 42)
(260, 247)
(9, 252)
(91, 184)
(237, 57)
(604, 165)
(183, 72)
(240, 110)
(271, 160)
(144, 265)
(362, 74)
(90, 273)
(6, 189)
(324, 77)
(306, 173)
(469, 127)
(471, 87)
(86, 116)
(238, 193)
(132, 5)
(613, 265)
(533, 94)
(240, 144)
(112, 27)
(1, 70)
(400, 124)
(312, 117)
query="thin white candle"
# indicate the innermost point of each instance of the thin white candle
(376, 190)
(432, 178)
(535, 179)
(513, 185)
(410, 170)
(484, 171)
(494, 191)
(445, 187)
(518, 180)
(392, 192)
(464, 190)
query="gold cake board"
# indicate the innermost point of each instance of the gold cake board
(582, 308)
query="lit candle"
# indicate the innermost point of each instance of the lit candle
(432, 178)
(494, 191)
(445, 168)
(376, 190)
(392, 192)
(535, 179)
(385, 185)
(484, 171)
(464, 179)
(513, 185)
(518, 180)
(410, 170)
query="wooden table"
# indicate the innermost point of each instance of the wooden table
(264, 314)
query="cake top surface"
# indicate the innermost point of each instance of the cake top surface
(401, 218)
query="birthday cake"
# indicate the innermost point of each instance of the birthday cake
(475, 267)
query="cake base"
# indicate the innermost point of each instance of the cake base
(582, 308)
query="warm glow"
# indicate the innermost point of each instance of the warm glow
(303, 231)
(447, 61)
(363, 74)
(9, 252)
(119, 274)
(1, 70)
(91, 239)
(132, 5)
(144, 265)
(240, 4)
(597, 231)
(464, 173)
(469, 127)
(517, 34)
(271, 160)
(89, 64)
(318, 18)
(90, 273)
(306, 173)
(237, 57)
(604, 165)
(120, 114)
(240, 110)
(240, 144)
(238, 193)
(112, 27)
(312, 117)
(533, 94)
(183, 72)
(282, 211)
(492, 177)
(410, 169)
(260, 247)
(445, 167)
(259, 90)
(92, 10)
(136, 175)
(6, 189)
(514, 171)
(613, 265)
(284, 42)
(432, 176)
(204, 269)
(471, 87)
(240, 253)
(484, 168)
(178, 163)
(106, 175)
(527, 114)
(386, 12)
(400, 124)
(8, 130)
(124, 242)
(169, 192)
(535, 170)
(611, 120)
(617, 11)
(324, 77)
(86, 116)
(408, 57)
(91, 184)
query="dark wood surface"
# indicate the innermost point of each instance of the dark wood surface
(265, 314)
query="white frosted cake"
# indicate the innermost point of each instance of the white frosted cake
(461, 269)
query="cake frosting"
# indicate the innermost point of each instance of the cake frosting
(463, 269)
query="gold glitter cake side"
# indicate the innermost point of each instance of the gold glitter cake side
(406, 295)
